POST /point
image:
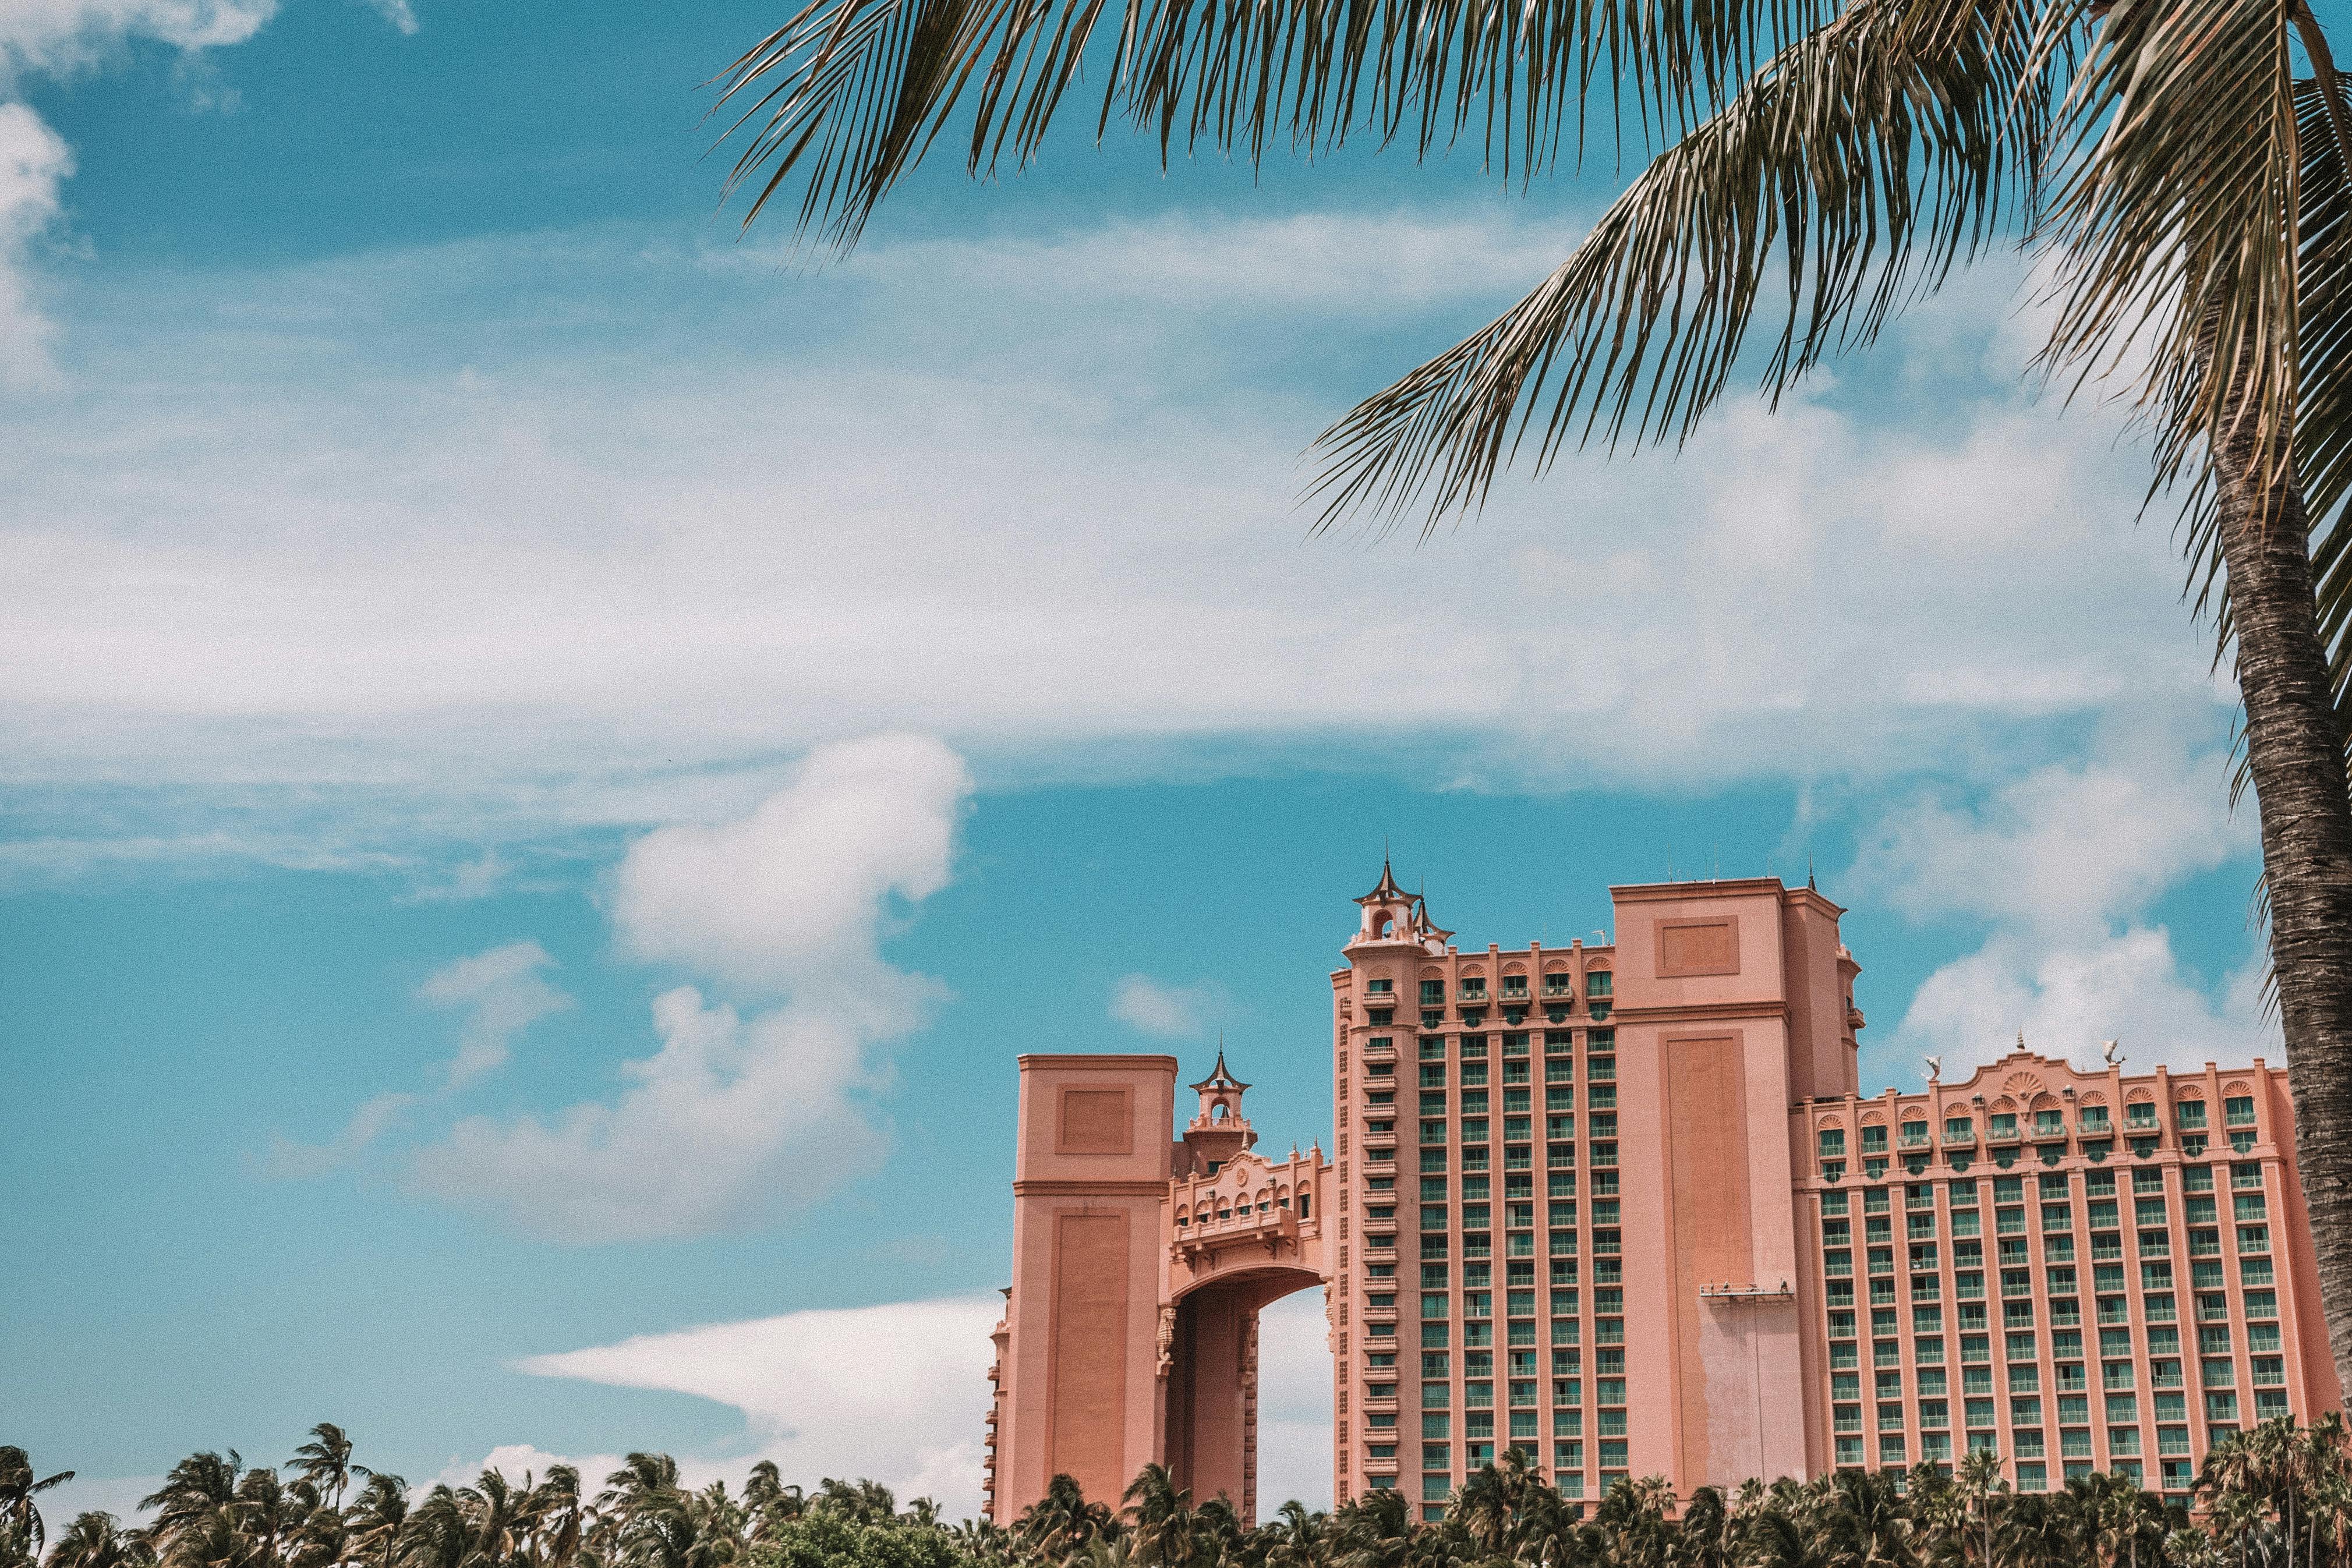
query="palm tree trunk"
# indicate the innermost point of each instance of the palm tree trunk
(2294, 752)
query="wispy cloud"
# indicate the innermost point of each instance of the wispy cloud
(399, 13)
(526, 590)
(1156, 1007)
(34, 162)
(501, 992)
(298, 1161)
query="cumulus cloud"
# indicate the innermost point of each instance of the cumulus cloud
(738, 1115)
(794, 896)
(1156, 1007)
(53, 38)
(2068, 846)
(2068, 998)
(896, 1393)
(2063, 862)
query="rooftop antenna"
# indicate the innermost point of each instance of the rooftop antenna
(1808, 874)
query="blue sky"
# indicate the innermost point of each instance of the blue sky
(556, 756)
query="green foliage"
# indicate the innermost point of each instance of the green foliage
(2279, 1494)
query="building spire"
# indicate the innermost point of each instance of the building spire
(1388, 889)
(1221, 1076)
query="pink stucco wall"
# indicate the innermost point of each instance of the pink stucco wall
(1584, 1201)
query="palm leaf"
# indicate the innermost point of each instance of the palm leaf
(848, 95)
(1861, 162)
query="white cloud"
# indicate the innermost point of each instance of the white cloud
(793, 896)
(300, 1162)
(1294, 1404)
(580, 584)
(1156, 1007)
(736, 1116)
(54, 37)
(502, 993)
(2066, 999)
(516, 1461)
(399, 13)
(896, 1393)
(1352, 263)
(2069, 846)
(899, 1393)
(2063, 862)
(486, 873)
(59, 37)
(34, 161)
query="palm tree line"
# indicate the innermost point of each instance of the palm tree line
(2279, 1496)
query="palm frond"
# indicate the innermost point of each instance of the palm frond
(1861, 162)
(849, 96)
(2323, 425)
(2174, 230)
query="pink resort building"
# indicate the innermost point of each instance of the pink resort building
(1627, 1209)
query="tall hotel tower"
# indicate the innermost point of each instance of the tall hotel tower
(1622, 1207)
(1625, 1208)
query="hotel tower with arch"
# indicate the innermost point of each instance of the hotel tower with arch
(1625, 1208)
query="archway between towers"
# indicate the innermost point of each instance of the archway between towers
(1139, 1267)
(1210, 1437)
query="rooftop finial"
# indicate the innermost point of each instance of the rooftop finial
(1388, 889)
(1221, 1076)
(1809, 875)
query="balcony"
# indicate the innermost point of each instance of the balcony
(1998, 1137)
(1911, 1140)
(1960, 1138)
(1199, 1243)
